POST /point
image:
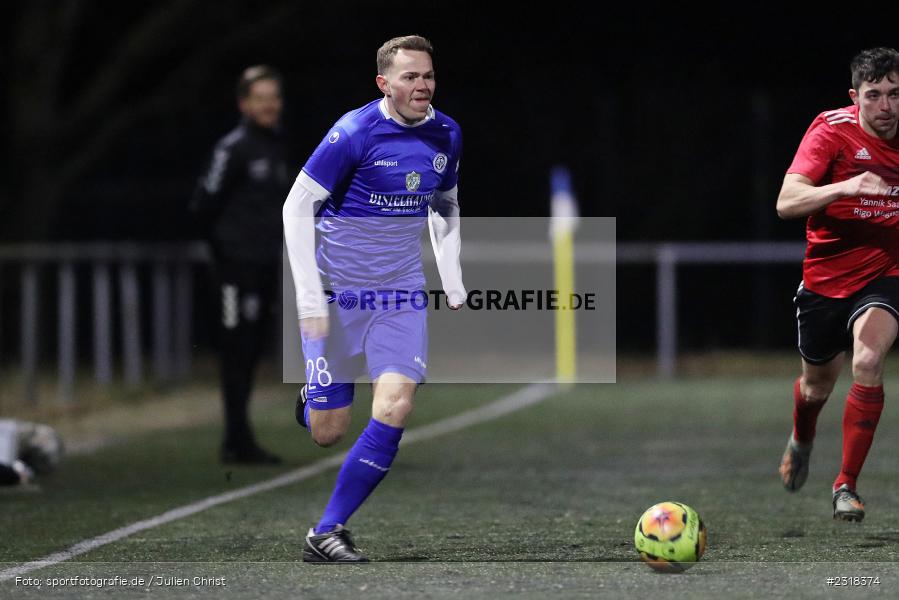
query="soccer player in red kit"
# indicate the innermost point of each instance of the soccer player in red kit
(845, 179)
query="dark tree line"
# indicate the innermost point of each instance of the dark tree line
(78, 81)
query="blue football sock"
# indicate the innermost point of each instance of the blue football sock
(306, 417)
(363, 469)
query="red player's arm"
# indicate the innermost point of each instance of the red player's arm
(799, 197)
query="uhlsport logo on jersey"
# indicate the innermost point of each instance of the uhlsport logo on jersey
(440, 162)
(413, 180)
(862, 154)
(334, 137)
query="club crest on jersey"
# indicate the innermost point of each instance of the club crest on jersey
(413, 180)
(440, 162)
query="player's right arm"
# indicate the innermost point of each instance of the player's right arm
(330, 164)
(800, 197)
(298, 214)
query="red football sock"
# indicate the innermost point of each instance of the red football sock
(805, 415)
(863, 407)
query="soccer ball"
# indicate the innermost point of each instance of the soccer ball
(670, 537)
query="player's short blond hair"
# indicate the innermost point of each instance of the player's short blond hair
(406, 42)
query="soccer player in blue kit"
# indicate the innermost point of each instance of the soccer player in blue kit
(378, 175)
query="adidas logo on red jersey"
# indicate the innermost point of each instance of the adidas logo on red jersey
(862, 154)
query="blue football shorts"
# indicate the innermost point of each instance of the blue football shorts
(380, 337)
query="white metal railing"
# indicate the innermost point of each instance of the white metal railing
(171, 298)
(171, 295)
(667, 257)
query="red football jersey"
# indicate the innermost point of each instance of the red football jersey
(854, 240)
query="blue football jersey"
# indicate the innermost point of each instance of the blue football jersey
(381, 175)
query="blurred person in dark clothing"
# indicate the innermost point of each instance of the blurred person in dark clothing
(238, 202)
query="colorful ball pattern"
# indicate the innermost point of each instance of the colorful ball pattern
(670, 537)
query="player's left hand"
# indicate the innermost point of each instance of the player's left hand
(455, 299)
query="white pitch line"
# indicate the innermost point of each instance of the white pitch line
(517, 400)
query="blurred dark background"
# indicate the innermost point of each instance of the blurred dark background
(680, 125)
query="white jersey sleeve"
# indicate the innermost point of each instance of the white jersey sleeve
(446, 238)
(299, 235)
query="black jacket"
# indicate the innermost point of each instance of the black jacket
(239, 197)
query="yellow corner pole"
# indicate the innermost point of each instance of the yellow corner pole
(563, 222)
(566, 336)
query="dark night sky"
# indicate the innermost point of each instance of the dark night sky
(653, 111)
